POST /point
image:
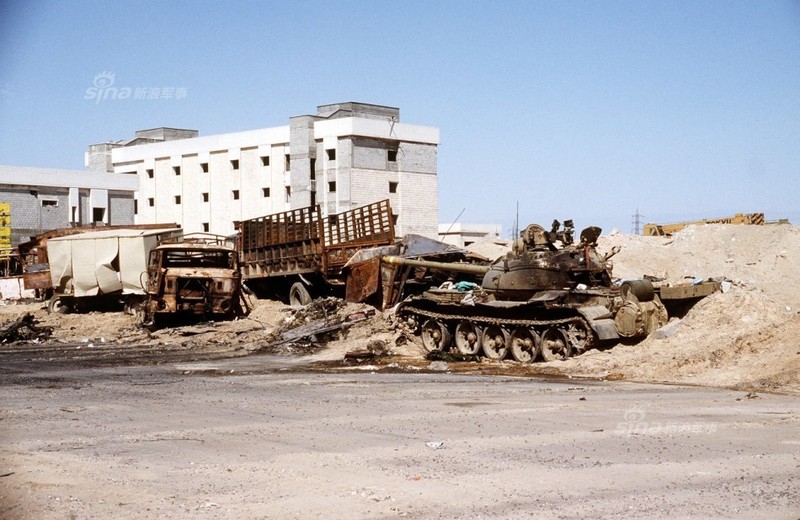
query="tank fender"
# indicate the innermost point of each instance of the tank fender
(600, 320)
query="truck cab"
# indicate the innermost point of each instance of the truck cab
(196, 276)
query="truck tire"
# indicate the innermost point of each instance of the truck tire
(299, 295)
(133, 304)
(57, 306)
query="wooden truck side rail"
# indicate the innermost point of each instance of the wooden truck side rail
(301, 241)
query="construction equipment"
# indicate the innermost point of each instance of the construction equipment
(755, 219)
(195, 276)
(548, 298)
(299, 254)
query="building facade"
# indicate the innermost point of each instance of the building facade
(346, 155)
(463, 235)
(41, 199)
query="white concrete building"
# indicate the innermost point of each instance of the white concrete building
(42, 199)
(462, 235)
(344, 156)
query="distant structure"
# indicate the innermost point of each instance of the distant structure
(462, 235)
(41, 199)
(636, 227)
(346, 155)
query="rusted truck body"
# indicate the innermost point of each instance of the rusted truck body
(101, 269)
(300, 254)
(195, 276)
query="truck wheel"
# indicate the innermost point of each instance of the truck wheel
(298, 294)
(132, 304)
(57, 306)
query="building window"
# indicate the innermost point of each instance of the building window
(49, 203)
(288, 193)
(394, 219)
(205, 227)
(393, 187)
(98, 214)
(135, 207)
(313, 169)
(288, 162)
(392, 155)
(177, 199)
(204, 167)
(205, 197)
(265, 192)
(149, 174)
(151, 202)
(177, 170)
(331, 154)
(235, 164)
(332, 186)
(265, 160)
(235, 194)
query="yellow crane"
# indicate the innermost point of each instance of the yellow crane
(755, 219)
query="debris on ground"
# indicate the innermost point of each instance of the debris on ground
(25, 328)
(742, 337)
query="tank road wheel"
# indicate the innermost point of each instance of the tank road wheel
(411, 322)
(298, 295)
(525, 345)
(580, 336)
(467, 338)
(435, 336)
(555, 344)
(495, 342)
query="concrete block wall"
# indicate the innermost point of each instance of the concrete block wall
(417, 158)
(120, 209)
(28, 216)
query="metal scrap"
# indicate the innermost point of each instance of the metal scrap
(24, 329)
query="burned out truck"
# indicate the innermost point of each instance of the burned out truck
(299, 254)
(101, 269)
(192, 277)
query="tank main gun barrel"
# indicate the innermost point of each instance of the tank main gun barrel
(442, 266)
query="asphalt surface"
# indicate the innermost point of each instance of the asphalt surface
(261, 437)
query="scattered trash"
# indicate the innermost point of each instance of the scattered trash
(435, 445)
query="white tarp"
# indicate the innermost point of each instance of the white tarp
(102, 262)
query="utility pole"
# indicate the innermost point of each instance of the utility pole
(637, 223)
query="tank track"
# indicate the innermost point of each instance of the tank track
(489, 320)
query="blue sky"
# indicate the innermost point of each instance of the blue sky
(575, 109)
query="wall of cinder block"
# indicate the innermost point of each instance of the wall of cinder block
(30, 217)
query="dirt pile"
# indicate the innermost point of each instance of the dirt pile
(747, 338)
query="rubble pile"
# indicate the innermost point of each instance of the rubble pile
(25, 328)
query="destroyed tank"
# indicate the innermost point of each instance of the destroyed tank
(548, 298)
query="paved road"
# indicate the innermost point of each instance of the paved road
(267, 441)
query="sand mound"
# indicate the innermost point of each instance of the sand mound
(746, 338)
